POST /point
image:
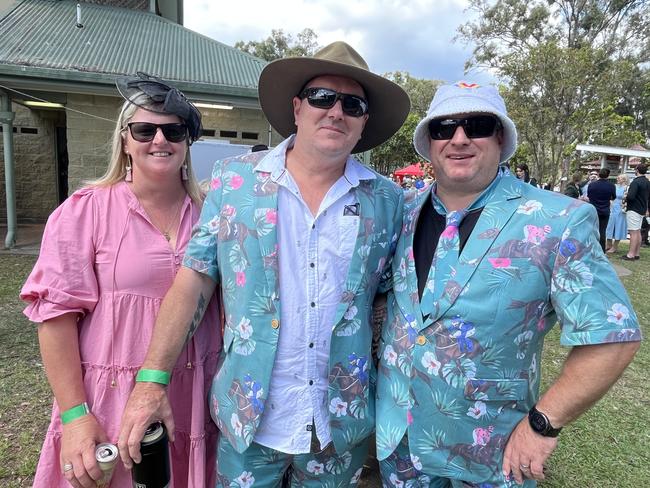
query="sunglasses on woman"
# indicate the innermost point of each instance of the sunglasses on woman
(146, 131)
(352, 105)
(475, 127)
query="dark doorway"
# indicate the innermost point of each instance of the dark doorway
(62, 162)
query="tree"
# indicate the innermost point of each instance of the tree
(280, 45)
(419, 90)
(566, 63)
(398, 151)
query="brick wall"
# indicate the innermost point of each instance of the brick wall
(34, 164)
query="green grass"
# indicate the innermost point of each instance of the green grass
(609, 446)
(25, 398)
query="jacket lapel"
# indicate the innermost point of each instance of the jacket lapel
(503, 202)
(266, 208)
(405, 282)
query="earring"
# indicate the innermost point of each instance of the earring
(184, 176)
(129, 169)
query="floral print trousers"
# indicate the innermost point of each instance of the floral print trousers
(261, 466)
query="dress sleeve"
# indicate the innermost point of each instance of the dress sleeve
(63, 279)
(592, 305)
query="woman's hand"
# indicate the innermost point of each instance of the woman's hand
(78, 463)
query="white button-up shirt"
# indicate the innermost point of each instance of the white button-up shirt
(314, 257)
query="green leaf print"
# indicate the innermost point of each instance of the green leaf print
(456, 373)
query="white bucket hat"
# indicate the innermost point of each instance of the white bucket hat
(465, 98)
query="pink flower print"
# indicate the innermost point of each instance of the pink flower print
(409, 417)
(482, 436)
(272, 216)
(215, 183)
(228, 211)
(449, 232)
(409, 254)
(500, 262)
(240, 278)
(236, 181)
(541, 324)
(536, 235)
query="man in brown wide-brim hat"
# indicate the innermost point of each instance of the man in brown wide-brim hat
(299, 238)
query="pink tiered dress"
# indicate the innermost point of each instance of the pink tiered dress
(103, 258)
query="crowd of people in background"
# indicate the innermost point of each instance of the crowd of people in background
(597, 189)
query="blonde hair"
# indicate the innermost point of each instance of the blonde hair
(116, 170)
(622, 180)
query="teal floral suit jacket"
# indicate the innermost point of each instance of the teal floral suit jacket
(459, 381)
(235, 243)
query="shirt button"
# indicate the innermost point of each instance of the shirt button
(311, 382)
(312, 304)
(311, 265)
(311, 344)
(275, 323)
(421, 340)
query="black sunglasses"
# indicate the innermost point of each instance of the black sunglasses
(146, 131)
(352, 105)
(475, 127)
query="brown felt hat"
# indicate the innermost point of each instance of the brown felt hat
(283, 79)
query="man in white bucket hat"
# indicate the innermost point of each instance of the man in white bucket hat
(484, 268)
(298, 238)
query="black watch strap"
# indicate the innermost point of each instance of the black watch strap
(540, 423)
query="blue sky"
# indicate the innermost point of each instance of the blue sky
(392, 35)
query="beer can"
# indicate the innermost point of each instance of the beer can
(106, 456)
(153, 470)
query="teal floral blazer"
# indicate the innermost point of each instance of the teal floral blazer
(235, 243)
(460, 380)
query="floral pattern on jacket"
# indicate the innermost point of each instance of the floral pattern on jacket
(236, 244)
(460, 380)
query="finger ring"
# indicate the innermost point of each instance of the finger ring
(67, 467)
(524, 466)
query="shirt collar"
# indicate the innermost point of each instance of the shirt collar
(275, 164)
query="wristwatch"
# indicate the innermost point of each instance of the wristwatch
(541, 424)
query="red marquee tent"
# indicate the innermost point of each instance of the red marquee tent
(412, 170)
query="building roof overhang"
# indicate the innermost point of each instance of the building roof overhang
(42, 49)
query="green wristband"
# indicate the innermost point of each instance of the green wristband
(153, 376)
(74, 413)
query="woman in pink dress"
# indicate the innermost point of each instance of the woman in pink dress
(109, 254)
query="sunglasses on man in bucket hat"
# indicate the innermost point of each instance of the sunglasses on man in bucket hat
(478, 109)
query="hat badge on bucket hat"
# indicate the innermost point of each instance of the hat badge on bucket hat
(283, 79)
(466, 98)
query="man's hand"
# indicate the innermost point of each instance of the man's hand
(147, 404)
(78, 463)
(526, 452)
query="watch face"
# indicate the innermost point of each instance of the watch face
(538, 422)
